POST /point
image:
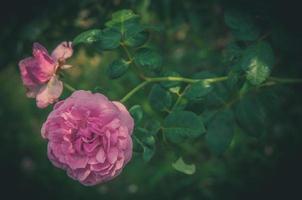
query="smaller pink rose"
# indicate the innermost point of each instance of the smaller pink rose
(39, 73)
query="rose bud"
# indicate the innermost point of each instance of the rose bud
(39, 73)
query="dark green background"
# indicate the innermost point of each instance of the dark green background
(192, 40)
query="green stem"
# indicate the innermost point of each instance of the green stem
(190, 81)
(169, 78)
(179, 98)
(69, 87)
(133, 91)
(130, 58)
(285, 80)
(185, 80)
(271, 81)
(127, 52)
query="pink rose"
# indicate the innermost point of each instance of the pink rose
(89, 136)
(39, 73)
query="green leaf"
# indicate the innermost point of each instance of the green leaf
(182, 125)
(146, 141)
(137, 113)
(148, 59)
(208, 115)
(159, 98)
(134, 33)
(153, 126)
(251, 116)
(88, 37)
(148, 151)
(232, 52)
(198, 90)
(110, 39)
(220, 131)
(241, 25)
(258, 61)
(128, 25)
(181, 166)
(120, 17)
(136, 39)
(219, 96)
(234, 82)
(117, 68)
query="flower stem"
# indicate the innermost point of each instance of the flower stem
(285, 80)
(190, 81)
(130, 58)
(69, 87)
(169, 78)
(179, 98)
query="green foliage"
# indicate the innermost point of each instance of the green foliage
(159, 98)
(198, 90)
(120, 17)
(147, 143)
(258, 61)
(232, 52)
(88, 37)
(220, 131)
(136, 39)
(251, 116)
(148, 59)
(106, 39)
(137, 113)
(181, 166)
(117, 68)
(182, 125)
(241, 25)
(110, 39)
(126, 22)
(153, 126)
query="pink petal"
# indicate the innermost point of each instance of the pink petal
(82, 174)
(76, 161)
(100, 156)
(62, 51)
(24, 65)
(58, 104)
(45, 65)
(50, 92)
(53, 159)
(112, 155)
(28, 80)
(38, 49)
(90, 147)
(126, 119)
(120, 163)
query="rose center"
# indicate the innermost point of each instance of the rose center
(89, 137)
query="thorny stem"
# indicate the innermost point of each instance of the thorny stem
(285, 80)
(130, 57)
(271, 81)
(179, 98)
(169, 78)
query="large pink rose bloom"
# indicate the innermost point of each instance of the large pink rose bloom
(38, 73)
(89, 136)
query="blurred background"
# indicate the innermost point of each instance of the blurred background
(193, 39)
